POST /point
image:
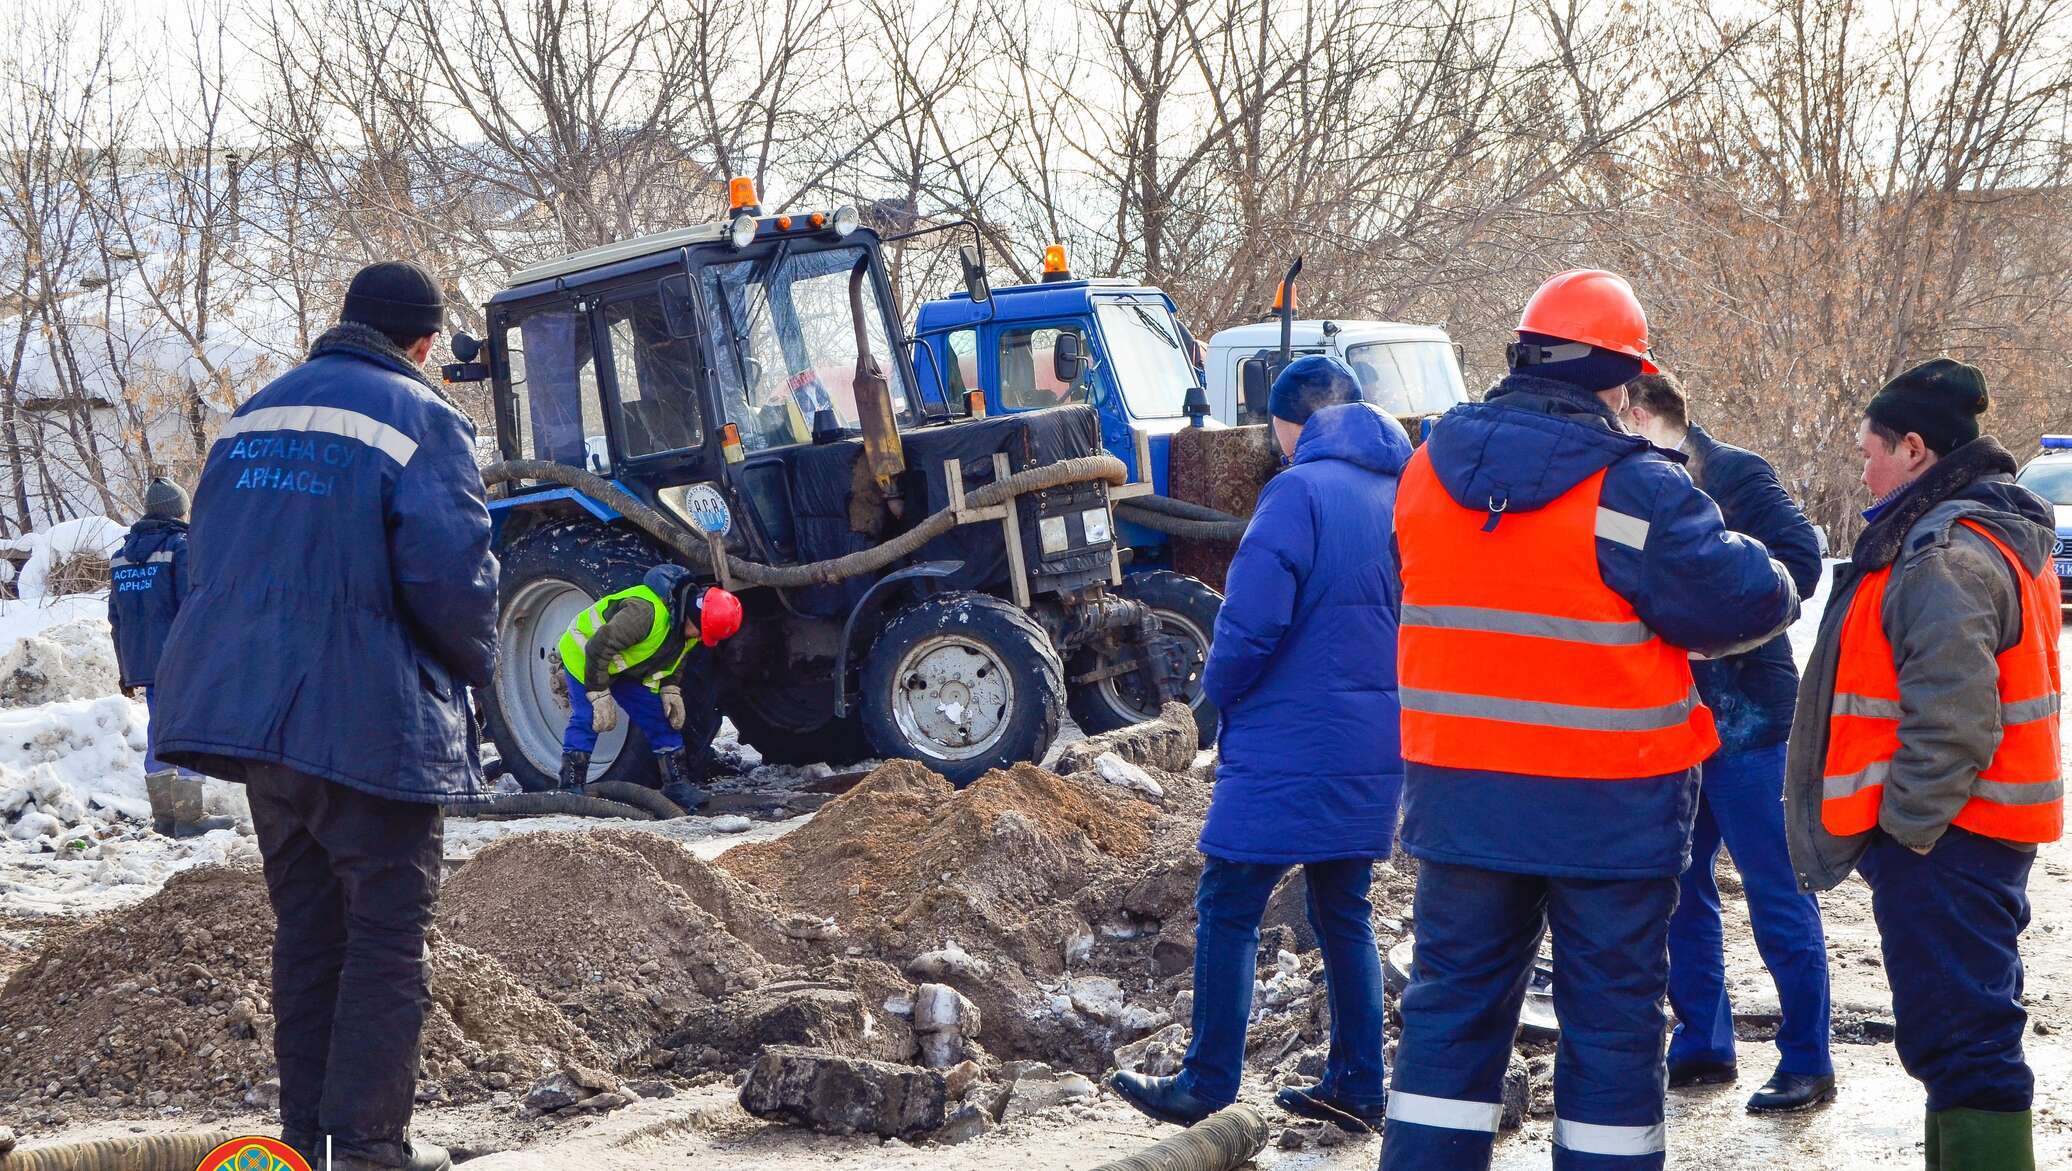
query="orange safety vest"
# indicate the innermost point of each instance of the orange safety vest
(2019, 796)
(1516, 657)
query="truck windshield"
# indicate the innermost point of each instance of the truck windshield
(785, 346)
(2051, 481)
(1408, 378)
(1146, 357)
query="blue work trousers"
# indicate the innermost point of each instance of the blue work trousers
(151, 762)
(635, 701)
(1228, 906)
(1478, 936)
(1949, 921)
(1742, 804)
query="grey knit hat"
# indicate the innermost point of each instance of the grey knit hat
(165, 500)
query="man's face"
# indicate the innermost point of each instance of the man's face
(1286, 434)
(1888, 468)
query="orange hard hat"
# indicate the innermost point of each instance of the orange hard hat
(719, 616)
(1592, 306)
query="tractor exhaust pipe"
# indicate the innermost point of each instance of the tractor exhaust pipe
(881, 446)
(1284, 305)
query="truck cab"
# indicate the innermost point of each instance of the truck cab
(1410, 371)
(2049, 475)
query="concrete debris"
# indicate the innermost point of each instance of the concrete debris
(732, 823)
(1157, 1055)
(1033, 1087)
(844, 1095)
(948, 962)
(965, 1123)
(1124, 775)
(1517, 1093)
(943, 1021)
(1097, 996)
(557, 1091)
(1166, 744)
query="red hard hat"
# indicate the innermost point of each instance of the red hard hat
(1592, 306)
(719, 616)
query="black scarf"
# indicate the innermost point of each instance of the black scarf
(1878, 545)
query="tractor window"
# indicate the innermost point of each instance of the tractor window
(658, 403)
(1028, 369)
(553, 373)
(784, 342)
(961, 377)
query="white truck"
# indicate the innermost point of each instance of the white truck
(1411, 371)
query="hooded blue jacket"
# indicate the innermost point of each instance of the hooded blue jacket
(344, 596)
(1303, 664)
(149, 581)
(1695, 584)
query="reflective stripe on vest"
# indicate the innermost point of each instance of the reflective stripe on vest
(1514, 654)
(575, 643)
(2019, 796)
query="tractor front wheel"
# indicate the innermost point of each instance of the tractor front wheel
(1186, 609)
(963, 683)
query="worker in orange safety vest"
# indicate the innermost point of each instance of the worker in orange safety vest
(1925, 752)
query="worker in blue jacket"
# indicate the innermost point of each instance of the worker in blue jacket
(148, 580)
(1303, 668)
(1557, 574)
(343, 603)
(1741, 794)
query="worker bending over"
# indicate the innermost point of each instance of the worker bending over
(1925, 752)
(633, 650)
(1557, 572)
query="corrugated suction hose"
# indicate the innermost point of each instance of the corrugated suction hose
(1223, 1141)
(162, 1152)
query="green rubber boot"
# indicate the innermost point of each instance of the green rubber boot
(1932, 1148)
(1985, 1140)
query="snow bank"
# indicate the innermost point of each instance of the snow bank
(73, 660)
(96, 535)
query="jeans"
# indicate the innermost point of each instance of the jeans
(1478, 934)
(640, 705)
(1229, 905)
(352, 878)
(1949, 922)
(1742, 804)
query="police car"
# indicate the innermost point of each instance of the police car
(2049, 475)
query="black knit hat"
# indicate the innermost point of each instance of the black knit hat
(396, 297)
(1940, 401)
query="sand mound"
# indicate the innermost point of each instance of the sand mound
(167, 1003)
(622, 930)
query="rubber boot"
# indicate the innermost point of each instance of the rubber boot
(575, 771)
(190, 815)
(159, 788)
(1986, 1140)
(676, 781)
(1932, 1145)
(418, 1155)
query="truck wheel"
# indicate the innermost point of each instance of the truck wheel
(549, 577)
(1186, 609)
(769, 719)
(963, 683)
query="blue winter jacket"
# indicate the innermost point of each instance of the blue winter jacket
(344, 596)
(1304, 660)
(1695, 584)
(1752, 695)
(149, 577)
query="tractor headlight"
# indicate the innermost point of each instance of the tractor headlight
(742, 232)
(1097, 526)
(846, 220)
(1056, 539)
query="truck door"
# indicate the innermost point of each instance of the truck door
(1023, 365)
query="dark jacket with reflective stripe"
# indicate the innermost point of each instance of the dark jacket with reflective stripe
(149, 579)
(344, 596)
(1951, 607)
(1303, 664)
(1663, 547)
(1752, 695)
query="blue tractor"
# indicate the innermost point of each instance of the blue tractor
(1120, 349)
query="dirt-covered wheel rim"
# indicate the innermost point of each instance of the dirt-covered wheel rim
(531, 688)
(953, 698)
(1125, 693)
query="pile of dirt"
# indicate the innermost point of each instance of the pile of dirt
(167, 1004)
(624, 931)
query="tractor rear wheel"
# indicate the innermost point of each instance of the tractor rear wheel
(549, 577)
(1186, 608)
(963, 683)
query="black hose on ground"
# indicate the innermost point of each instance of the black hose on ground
(1180, 526)
(161, 1152)
(640, 796)
(675, 537)
(1223, 1141)
(544, 804)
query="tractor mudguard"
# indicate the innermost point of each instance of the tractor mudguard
(873, 601)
